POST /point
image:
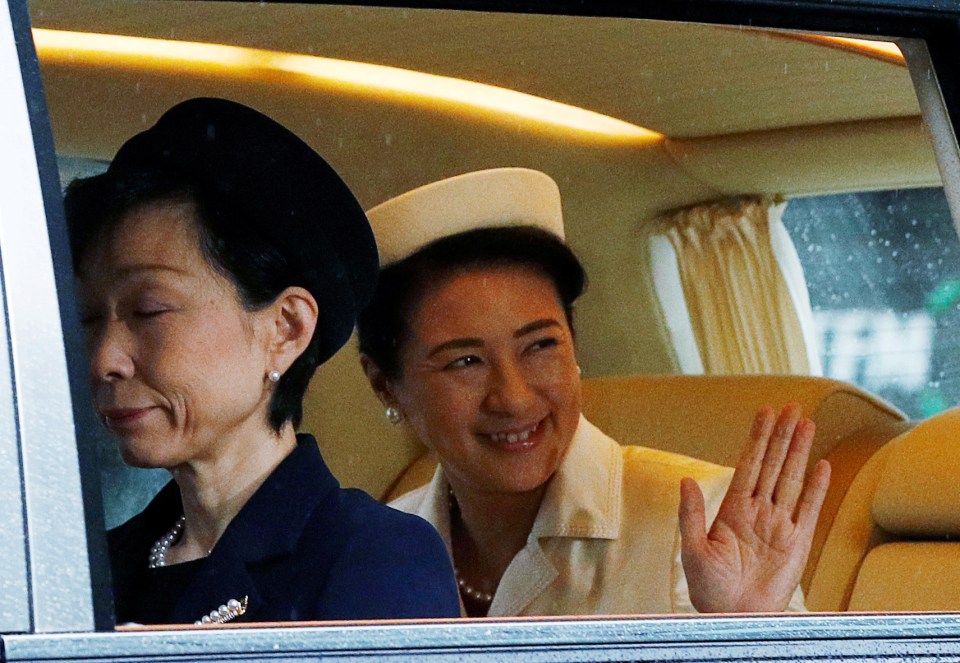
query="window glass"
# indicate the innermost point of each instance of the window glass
(883, 271)
(631, 118)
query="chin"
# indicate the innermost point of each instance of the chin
(524, 482)
(136, 455)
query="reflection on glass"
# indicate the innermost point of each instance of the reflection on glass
(733, 113)
(883, 270)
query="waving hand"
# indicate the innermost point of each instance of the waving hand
(753, 556)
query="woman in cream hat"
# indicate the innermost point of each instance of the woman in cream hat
(469, 340)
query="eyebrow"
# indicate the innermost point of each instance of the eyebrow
(139, 268)
(469, 342)
(536, 325)
(150, 267)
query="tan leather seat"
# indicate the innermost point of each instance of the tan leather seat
(893, 542)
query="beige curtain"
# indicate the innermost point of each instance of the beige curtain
(743, 316)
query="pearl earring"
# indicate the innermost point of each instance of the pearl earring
(393, 415)
(273, 376)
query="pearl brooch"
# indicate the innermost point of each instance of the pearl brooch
(158, 553)
(225, 613)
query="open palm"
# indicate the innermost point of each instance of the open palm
(752, 557)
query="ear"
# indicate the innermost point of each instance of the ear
(378, 381)
(292, 321)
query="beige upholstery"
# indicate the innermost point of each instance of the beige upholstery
(708, 417)
(888, 547)
(919, 575)
(360, 447)
(846, 459)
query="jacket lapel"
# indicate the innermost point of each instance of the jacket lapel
(267, 528)
(581, 501)
(529, 574)
(224, 576)
(583, 497)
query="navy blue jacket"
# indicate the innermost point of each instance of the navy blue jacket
(302, 548)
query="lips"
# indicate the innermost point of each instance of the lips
(117, 419)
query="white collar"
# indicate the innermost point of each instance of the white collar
(582, 499)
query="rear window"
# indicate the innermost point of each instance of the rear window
(883, 271)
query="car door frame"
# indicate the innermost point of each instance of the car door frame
(59, 577)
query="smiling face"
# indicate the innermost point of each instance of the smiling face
(177, 364)
(489, 378)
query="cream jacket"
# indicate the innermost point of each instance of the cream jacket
(606, 539)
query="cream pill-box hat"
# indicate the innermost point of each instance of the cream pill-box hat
(481, 199)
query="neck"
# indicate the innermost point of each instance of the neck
(488, 530)
(213, 490)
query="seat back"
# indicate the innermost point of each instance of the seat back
(892, 544)
(709, 416)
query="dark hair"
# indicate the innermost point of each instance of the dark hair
(271, 214)
(383, 327)
(230, 240)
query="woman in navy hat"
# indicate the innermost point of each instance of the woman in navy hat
(220, 260)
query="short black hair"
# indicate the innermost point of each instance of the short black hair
(383, 327)
(271, 212)
(230, 243)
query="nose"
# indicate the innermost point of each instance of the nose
(109, 347)
(510, 391)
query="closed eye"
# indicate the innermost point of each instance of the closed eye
(150, 313)
(151, 309)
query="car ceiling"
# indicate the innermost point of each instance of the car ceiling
(683, 81)
(743, 111)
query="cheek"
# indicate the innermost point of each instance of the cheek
(557, 374)
(438, 405)
(198, 357)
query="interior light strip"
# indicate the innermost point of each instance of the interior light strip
(886, 51)
(883, 49)
(379, 80)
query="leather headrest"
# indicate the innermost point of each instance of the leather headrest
(919, 489)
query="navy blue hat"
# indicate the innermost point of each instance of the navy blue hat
(300, 205)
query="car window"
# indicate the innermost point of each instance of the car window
(699, 134)
(883, 271)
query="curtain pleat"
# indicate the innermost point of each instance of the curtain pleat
(743, 317)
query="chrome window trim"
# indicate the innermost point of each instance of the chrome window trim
(69, 607)
(14, 585)
(14, 581)
(935, 115)
(56, 540)
(790, 637)
(15, 614)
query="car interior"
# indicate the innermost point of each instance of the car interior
(679, 151)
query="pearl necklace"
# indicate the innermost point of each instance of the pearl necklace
(158, 553)
(467, 591)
